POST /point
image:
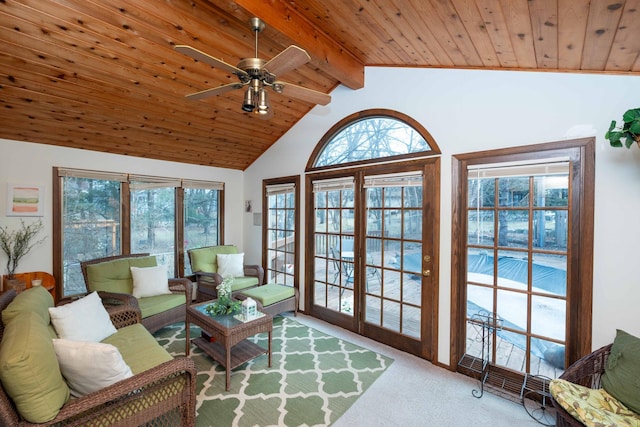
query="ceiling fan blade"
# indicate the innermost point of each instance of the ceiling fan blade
(303, 94)
(208, 59)
(287, 60)
(214, 91)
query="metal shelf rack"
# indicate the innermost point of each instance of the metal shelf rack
(486, 324)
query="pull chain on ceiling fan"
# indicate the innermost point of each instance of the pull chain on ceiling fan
(258, 75)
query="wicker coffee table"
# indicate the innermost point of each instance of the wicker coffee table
(230, 347)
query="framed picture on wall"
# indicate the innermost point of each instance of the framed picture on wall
(25, 200)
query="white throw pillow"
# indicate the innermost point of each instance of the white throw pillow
(150, 281)
(90, 366)
(231, 265)
(83, 320)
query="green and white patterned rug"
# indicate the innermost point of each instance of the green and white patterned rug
(314, 378)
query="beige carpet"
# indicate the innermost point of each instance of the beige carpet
(414, 392)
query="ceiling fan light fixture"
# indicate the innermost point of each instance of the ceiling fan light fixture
(263, 102)
(248, 104)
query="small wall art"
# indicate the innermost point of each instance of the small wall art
(25, 200)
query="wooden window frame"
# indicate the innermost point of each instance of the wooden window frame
(581, 153)
(295, 180)
(58, 174)
(363, 115)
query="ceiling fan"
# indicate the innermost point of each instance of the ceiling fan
(258, 74)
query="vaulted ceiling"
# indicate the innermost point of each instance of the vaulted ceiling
(104, 75)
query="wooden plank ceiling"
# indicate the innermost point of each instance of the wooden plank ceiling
(103, 75)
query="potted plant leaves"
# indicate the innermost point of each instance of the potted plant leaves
(629, 130)
(224, 304)
(16, 244)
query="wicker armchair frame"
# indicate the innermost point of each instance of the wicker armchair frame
(208, 281)
(176, 286)
(587, 372)
(162, 396)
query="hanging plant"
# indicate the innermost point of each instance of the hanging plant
(629, 130)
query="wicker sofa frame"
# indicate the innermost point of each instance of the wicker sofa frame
(161, 396)
(587, 372)
(176, 286)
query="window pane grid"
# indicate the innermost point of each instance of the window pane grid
(334, 253)
(280, 232)
(395, 224)
(516, 246)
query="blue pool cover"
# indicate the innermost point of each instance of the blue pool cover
(546, 278)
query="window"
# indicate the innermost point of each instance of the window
(394, 223)
(202, 216)
(333, 236)
(517, 261)
(153, 218)
(525, 221)
(281, 221)
(100, 214)
(90, 218)
(369, 137)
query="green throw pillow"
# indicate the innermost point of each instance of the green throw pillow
(36, 299)
(621, 377)
(115, 275)
(29, 369)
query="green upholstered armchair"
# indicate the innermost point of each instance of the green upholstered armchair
(204, 265)
(113, 274)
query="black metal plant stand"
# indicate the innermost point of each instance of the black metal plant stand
(536, 399)
(486, 324)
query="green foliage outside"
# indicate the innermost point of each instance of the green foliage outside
(92, 221)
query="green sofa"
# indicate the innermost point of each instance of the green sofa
(113, 274)
(204, 265)
(161, 390)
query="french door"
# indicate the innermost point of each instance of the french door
(374, 267)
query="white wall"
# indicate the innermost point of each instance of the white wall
(28, 163)
(469, 110)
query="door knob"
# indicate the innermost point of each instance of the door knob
(426, 273)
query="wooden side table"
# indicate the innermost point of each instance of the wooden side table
(48, 281)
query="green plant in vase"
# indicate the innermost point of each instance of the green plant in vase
(224, 304)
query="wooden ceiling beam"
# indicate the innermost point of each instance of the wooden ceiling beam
(283, 18)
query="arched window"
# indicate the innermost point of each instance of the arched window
(371, 136)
